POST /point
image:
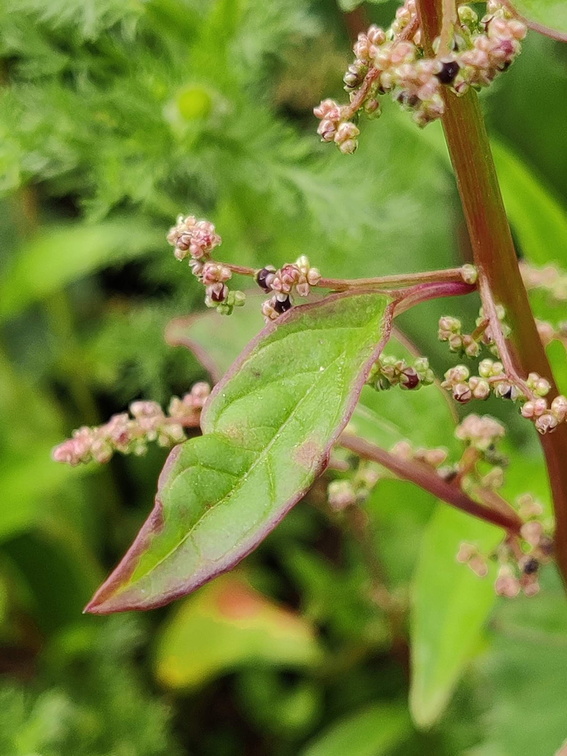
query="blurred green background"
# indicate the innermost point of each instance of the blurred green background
(114, 117)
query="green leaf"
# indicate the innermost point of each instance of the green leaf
(548, 17)
(539, 219)
(269, 426)
(450, 606)
(225, 626)
(524, 671)
(371, 731)
(59, 256)
(384, 417)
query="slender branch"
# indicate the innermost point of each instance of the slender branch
(495, 257)
(506, 356)
(408, 279)
(420, 474)
(447, 275)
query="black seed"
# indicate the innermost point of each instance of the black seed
(261, 276)
(447, 74)
(220, 295)
(449, 475)
(410, 379)
(531, 566)
(284, 306)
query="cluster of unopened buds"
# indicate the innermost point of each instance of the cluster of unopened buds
(470, 344)
(130, 433)
(393, 61)
(550, 278)
(196, 240)
(433, 457)
(390, 371)
(492, 379)
(344, 493)
(297, 277)
(519, 558)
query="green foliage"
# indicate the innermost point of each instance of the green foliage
(222, 492)
(370, 732)
(99, 706)
(115, 117)
(450, 607)
(227, 626)
(552, 15)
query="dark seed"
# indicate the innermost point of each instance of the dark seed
(282, 306)
(261, 276)
(410, 379)
(531, 566)
(447, 74)
(220, 294)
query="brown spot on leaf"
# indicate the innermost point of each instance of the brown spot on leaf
(308, 454)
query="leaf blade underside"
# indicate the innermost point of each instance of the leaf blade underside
(268, 429)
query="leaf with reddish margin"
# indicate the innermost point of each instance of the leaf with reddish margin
(268, 429)
(548, 17)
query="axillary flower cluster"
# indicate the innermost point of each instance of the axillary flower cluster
(130, 434)
(470, 52)
(196, 240)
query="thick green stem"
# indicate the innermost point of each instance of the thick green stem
(495, 257)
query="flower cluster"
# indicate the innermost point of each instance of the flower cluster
(196, 239)
(292, 278)
(434, 457)
(193, 238)
(393, 61)
(492, 378)
(519, 558)
(347, 493)
(470, 344)
(546, 417)
(480, 431)
(129, 434)
(391, 371)
(550, 278)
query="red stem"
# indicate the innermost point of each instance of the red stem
(495, 257)
(420, 474)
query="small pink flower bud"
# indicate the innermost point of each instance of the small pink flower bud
(532, 532)
(559, 408)
(462, 393)
(457, 374)
(341, 495)
(480, 388)
(506, 583)
(546, 423)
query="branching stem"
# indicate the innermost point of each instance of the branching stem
(423, 476)
(495, 257)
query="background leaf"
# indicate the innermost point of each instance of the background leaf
(373, 731)
(546, 16)
(59, 256)
(449, 610)
(228, 625)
